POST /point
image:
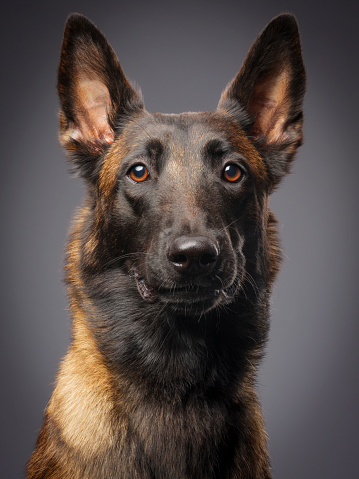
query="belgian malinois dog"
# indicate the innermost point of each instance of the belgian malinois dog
(169, 267)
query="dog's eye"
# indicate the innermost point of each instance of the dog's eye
(232, 173)
(138, 173)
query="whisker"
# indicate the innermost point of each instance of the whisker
(119, 258)
(226, 227)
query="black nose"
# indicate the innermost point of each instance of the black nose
(192, 254)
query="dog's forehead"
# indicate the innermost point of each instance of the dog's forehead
(189, 132)
(189, 135)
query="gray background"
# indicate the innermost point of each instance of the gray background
(183, 54)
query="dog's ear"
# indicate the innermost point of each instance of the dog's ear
(267, 94)
(94, 94)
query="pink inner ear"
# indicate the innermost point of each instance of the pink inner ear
(269, 106)
(93, 104)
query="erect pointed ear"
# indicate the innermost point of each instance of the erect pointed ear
(94, 93)
(267, 94)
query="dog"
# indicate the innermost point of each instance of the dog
(169, 267)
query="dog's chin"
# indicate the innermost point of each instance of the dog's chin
(189, 300)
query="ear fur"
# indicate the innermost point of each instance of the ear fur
(94, 94)
(267, 94)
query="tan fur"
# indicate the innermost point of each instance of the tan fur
(81, 403)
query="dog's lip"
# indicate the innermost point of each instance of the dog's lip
(195, 293)
(147, 293)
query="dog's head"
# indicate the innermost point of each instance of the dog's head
(178, 203)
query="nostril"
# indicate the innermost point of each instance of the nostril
(178, 258)
(208, 258)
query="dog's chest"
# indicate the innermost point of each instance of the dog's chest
(179, 439)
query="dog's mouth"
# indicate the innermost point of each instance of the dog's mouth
(147, 293)
(186, 297)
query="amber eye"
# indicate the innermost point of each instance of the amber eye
(138, 173)
(232, 173)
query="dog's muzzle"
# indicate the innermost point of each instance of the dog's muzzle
(196, 285)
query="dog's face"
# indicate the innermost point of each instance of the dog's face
(185, 194)
(178, 203)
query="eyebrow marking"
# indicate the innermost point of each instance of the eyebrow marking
(154, 148)
(216, 147)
